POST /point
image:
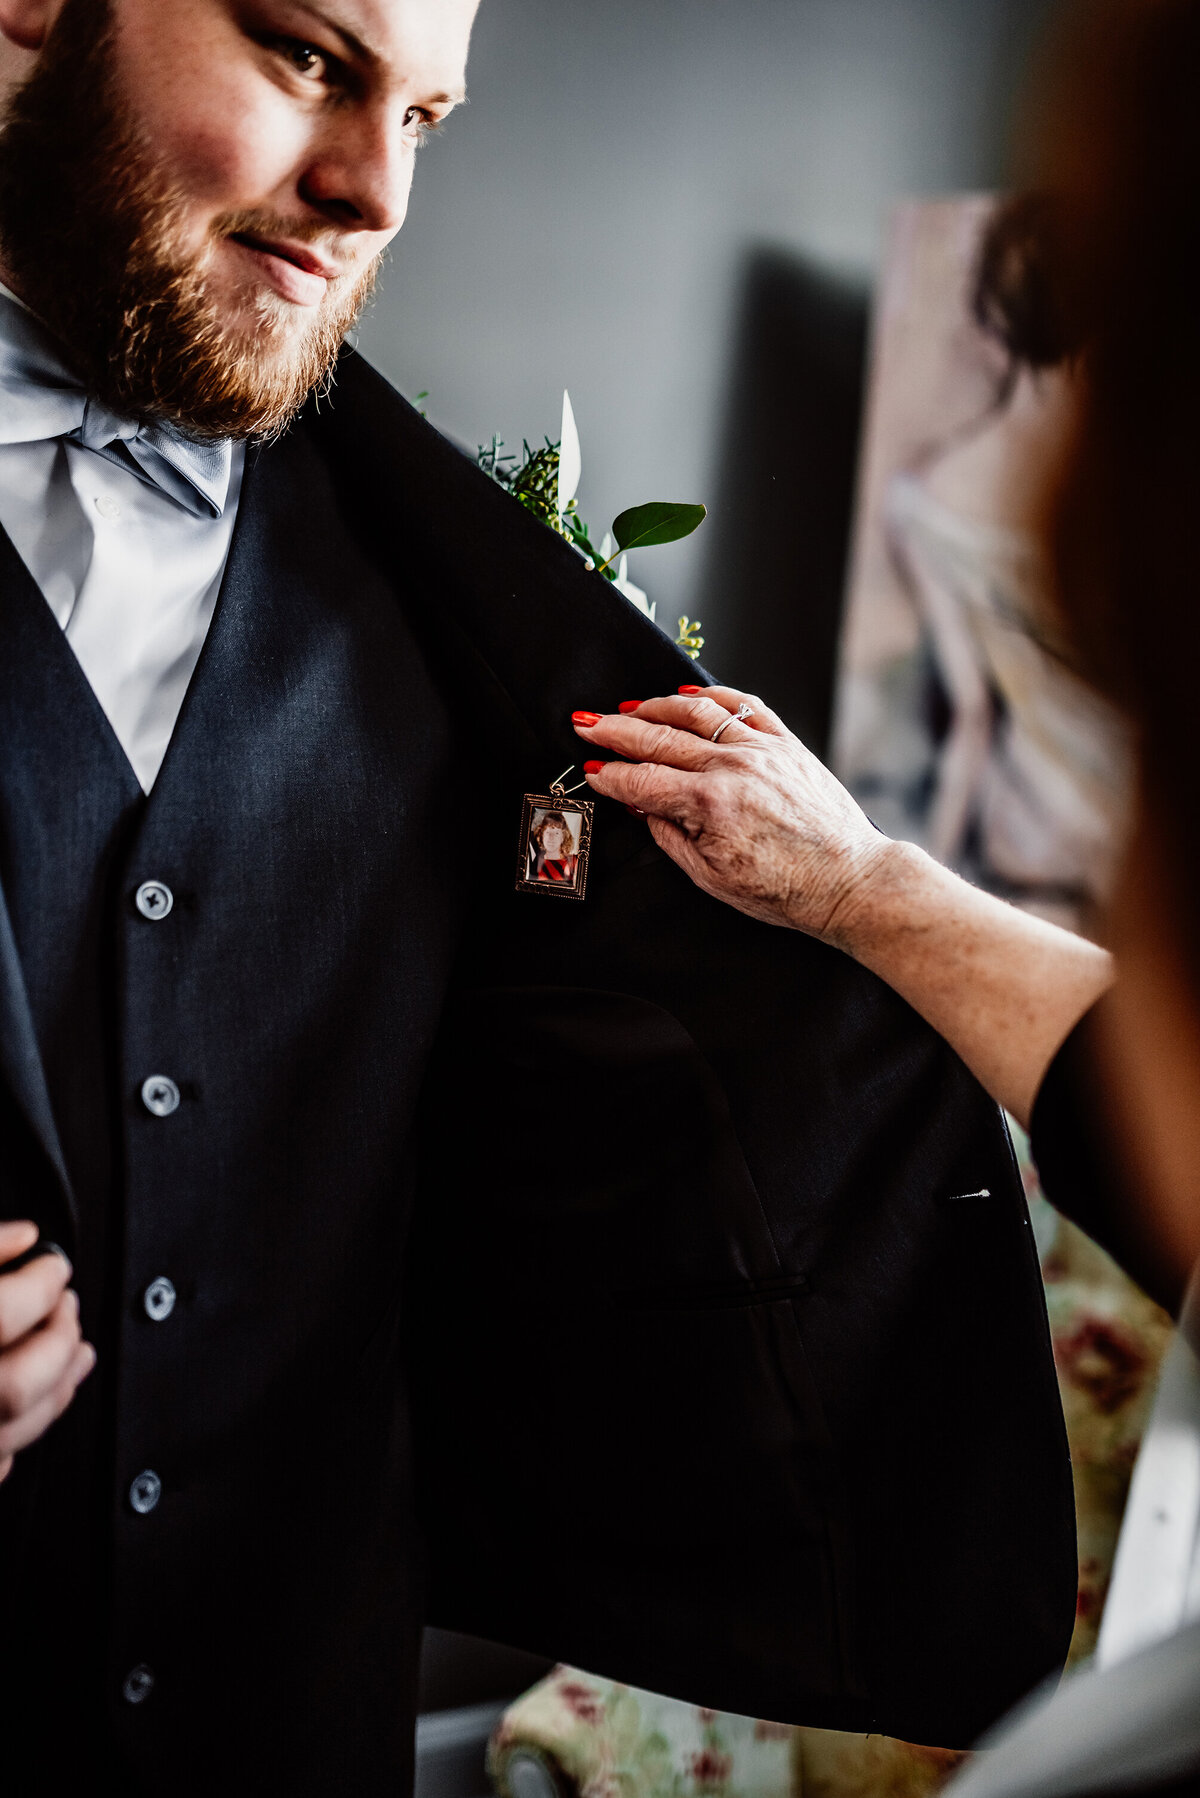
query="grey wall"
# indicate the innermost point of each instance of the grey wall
(674, 207)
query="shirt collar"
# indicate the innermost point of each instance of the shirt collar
(40, 399)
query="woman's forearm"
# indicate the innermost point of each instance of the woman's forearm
(1002, 987)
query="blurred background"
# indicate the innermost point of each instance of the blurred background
(676, 208)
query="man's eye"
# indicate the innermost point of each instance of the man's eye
(419, 123)
(306, 59)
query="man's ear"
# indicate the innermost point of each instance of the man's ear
(26, 23)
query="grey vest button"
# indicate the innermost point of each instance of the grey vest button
(159, 1299)
(160, 1095)
(138, 1684)
(145, 1492)
(154, 899)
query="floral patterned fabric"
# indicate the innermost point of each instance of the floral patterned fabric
(580, 1736)
(591, 1738)
(1109, 1340)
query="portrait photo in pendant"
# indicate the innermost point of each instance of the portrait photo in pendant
(554, 845)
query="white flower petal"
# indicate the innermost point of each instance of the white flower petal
(570, 460)
(634, 595)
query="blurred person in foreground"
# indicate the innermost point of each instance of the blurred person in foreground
(1105, 1072)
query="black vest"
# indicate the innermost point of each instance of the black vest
(750, 1399)
(301, 825)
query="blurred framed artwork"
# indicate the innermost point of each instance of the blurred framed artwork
(960, 721)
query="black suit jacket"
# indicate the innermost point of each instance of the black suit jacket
(752, 1402)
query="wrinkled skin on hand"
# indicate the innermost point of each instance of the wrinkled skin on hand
(755, 819)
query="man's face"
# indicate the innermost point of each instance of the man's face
(262, 156)
(309, 114)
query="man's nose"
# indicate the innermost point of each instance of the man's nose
(362, 171)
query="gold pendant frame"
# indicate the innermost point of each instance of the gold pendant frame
(555, 842)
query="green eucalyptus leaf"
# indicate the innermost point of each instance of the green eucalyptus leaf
(662, 521)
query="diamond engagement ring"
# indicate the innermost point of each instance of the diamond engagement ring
(743, 712)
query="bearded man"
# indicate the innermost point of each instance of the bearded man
(748, 1409)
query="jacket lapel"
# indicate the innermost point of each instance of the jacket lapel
(511, 597)
(20, 1060)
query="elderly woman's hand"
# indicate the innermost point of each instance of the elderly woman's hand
(754, 818)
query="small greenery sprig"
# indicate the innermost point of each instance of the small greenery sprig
(687, 639)
(544, 481)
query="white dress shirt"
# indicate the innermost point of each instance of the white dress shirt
(130, 574)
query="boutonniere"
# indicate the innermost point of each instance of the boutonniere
(555, 839)
(545, 482)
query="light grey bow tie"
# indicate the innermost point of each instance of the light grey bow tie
(41, 399)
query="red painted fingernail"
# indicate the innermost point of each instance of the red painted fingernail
(691, 690)
(592, 767)
(629, 705)
(635, 810)
(585, 717)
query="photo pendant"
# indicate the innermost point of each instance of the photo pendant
(555, 841)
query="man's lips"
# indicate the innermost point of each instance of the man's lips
(294, 270)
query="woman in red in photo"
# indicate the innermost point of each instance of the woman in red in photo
(553, 855)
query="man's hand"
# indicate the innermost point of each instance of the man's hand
(42, 1354)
